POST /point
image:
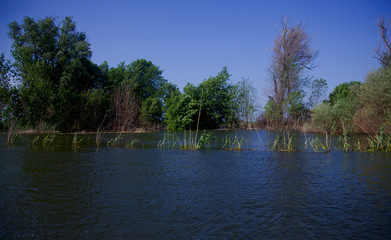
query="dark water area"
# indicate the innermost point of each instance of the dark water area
(142, 192)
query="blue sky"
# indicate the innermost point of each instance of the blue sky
(193, 40)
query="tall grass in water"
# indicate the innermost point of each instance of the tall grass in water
(49, 140)
(344, 139)
(379, 142)
(232, 143)
(76, 140)
(115, 141)
(284, 142)
(189, 142)
(100, 133)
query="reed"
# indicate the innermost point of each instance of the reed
(232, 143)
(115, 141)
(48, 140)
(283, 142)
(379, 142)
(76, 140)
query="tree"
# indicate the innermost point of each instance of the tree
(342, 91)
(125, 108)
(318, 89)
(54, 67)
(292, 54)
(383, 52)
(242, 99)
(145, 78)
(210, 100)
(5, 89)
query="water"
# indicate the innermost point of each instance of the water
(65, 192)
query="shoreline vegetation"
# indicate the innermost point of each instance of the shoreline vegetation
(282, 141)
(53, 87)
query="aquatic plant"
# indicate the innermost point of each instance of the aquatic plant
(35, 140)
(379, 142)
(284, 142)
(76, 140)
(132, 143)
(115, 141)
(190, 142)
(344, 139)
(232, 143)
(48, 140)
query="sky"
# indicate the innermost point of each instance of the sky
(193, 40)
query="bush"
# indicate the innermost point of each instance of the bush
(375, 102)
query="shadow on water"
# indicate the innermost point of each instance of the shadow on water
(63, 191)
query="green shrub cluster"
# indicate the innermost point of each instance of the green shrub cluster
(357, 107)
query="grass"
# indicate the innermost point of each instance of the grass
(379, 142)
(189, 142)
(48, 140)
(115, 141)
(283, 142)
(232, 142)
(76, 141)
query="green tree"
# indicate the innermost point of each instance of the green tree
(54, 67)
(145, 78)
(374, 98)
(342, 91)
(151, 111)
(210, 100)
(243, 97)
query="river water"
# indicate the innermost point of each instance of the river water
(60, 191)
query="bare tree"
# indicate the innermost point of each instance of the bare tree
(125, 108)
(292, 54)
(383, 52)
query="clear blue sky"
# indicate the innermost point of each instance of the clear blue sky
(193, 40)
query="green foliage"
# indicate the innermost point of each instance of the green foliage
(283, 142)
(342, 91)
(374, 98)
(295, 105)
(151, 111)
(95, 104)
(212, 96)
(379, 142)
(180, 110)
(242, 103)
(53, 66)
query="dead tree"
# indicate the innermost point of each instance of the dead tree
(383, 52)
(125, 109)
(292, 54)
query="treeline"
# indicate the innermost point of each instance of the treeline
(54, 85)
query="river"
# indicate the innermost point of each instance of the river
(138, 191)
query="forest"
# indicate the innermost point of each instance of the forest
(52, 85)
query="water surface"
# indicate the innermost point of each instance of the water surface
(65, 192)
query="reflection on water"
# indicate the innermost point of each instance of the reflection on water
(61, 192)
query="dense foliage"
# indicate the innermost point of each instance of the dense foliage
(54, 85)
(357, 107)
